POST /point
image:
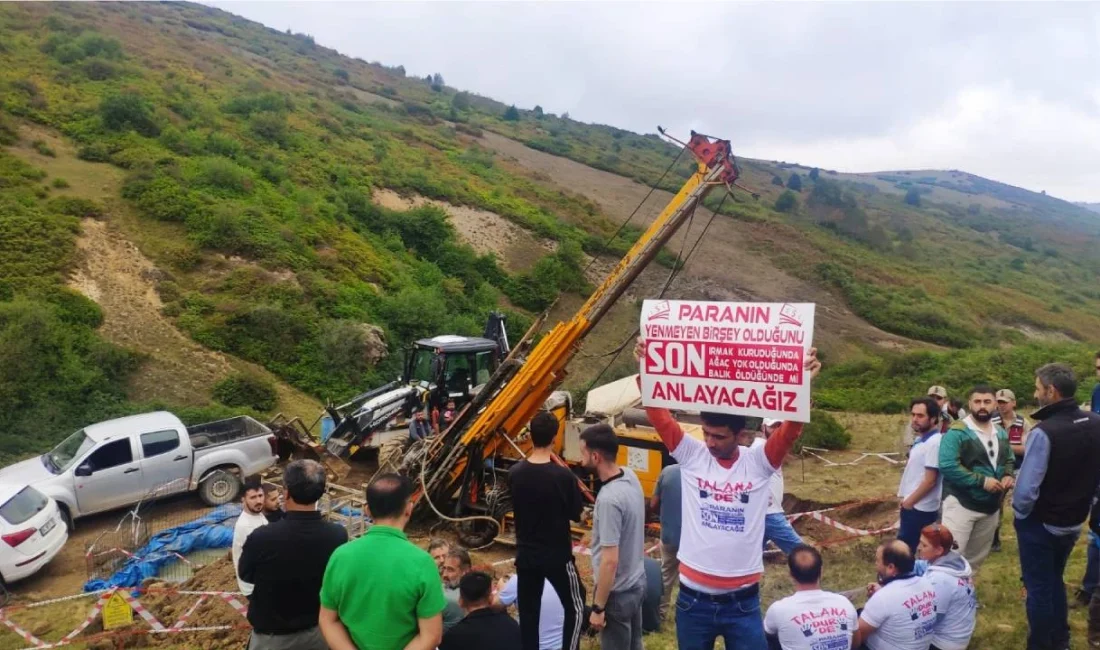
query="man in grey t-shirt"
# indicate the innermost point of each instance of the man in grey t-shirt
(666, 501)
(618, 531)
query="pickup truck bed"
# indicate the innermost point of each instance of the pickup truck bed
(214, 434)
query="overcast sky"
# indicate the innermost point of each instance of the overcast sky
(1007, 91)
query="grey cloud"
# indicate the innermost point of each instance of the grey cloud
(852, 82)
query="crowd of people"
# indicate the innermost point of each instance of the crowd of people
(719, 504)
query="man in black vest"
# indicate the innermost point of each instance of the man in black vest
(1054, 492)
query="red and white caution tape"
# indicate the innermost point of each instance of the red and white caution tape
(27, 636)
(846, 528)
(883, 455)
(235, 604)
(155, 626)
(140, 610)
(186, 615)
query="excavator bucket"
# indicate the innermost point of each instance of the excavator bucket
(293, 438)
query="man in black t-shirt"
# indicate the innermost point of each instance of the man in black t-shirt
(545, 498)
(484, 626)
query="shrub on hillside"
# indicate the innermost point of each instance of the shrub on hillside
(823, 432)
(248, 391)
(787, 202)
(511, 114)
(777, 181)
(223, 174)
(41, 147)
(57, 376)
(795, 182)
(9, 133)
(160, 196)
(98, 69)
(271, 127)
(912, 197)
(128, 110)
(75, 207)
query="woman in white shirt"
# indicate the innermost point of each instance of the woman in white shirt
(956, 600)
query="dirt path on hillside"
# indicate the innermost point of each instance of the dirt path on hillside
(114, 273)
(722, 268)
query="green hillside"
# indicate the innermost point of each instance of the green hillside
(244, 163)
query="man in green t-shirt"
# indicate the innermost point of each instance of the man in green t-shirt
(381, 592)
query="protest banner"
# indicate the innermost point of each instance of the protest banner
(728, 357)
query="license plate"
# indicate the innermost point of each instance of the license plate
(47, 527)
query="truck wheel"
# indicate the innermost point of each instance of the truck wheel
(390, 454)
(66, 518)
(219, 488)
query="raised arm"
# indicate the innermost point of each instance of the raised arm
(782, 442)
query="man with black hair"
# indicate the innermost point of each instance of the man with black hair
(485, 627)
(901, 611)
(921, 486)
(286, 561)
(545, 498)
(251, 518)
(381, 591)
(725, 501)
(977, 465)
(273, 507)
(811, 618)
(618, 546)
(1057, 485)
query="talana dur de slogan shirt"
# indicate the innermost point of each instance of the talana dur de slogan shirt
(812, 620)
(903, 614)
(724, 505)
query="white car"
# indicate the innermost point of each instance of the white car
(31, 531)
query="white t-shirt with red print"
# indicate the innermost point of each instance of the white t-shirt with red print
(722, 527)
(903, 613)
(812, 620)
(723, 505)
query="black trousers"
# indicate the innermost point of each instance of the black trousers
(570, 590)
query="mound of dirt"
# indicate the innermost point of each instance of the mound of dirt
(168, 607)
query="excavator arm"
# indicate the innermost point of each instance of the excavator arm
(521, 386)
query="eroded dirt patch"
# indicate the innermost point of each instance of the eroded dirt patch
(486, 232)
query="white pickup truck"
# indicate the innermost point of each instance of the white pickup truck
(120, 462)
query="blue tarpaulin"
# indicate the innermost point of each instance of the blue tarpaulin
(211, 531)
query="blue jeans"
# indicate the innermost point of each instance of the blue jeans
(778, 530)
(1043, 561)
(699, 622)
(912, 522)
(1091, 581)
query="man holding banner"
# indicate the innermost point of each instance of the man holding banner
(727, 360)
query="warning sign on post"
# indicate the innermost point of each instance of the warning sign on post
(117, 612)
(730, 357)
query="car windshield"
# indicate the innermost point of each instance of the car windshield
(21, 507)
(64, 455)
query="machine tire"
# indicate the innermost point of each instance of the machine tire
(390, 454)
(219, 488)
(66, 518)
(479, 533)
